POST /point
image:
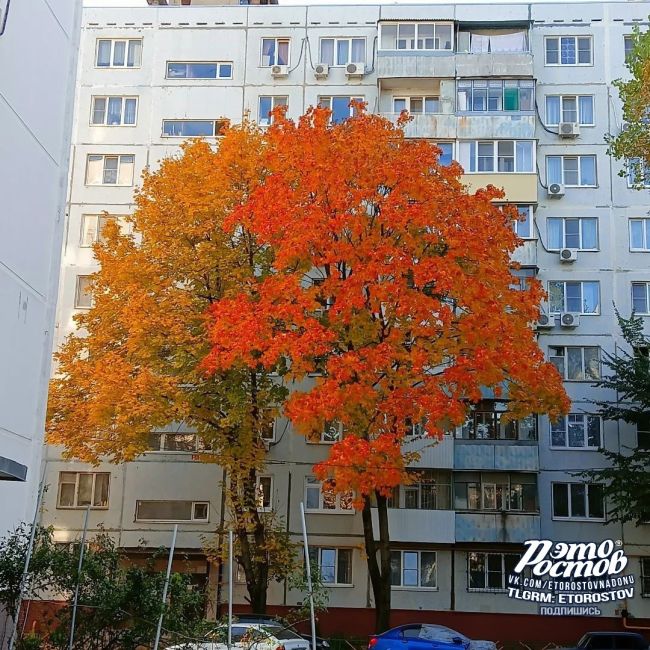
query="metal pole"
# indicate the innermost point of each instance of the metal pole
(308, 568)
(28, 557)
(82, 552)
(164, 596)
(230, 577)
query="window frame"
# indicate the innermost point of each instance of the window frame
(277, 40)
(216, 129)
(419, 587)
(486, 491)
(416, 23)
(318, 550)
(79, 291)
(107, 99)
(268, 120)
(571, 517)
(579, 158)
(562, 98)
(504, 573)
(218, 65)
(644, 572)
(98, 227)
(311, 483)
(565, 360)
(260, 492)
(331, 98)
(645, 233)
(631, 173)
(580, 234)
(408, 98)
(585, 423)
(646, 285)
(474, 160)
(576, 49)
(76, 505)
(470, 86)
(162, 449)
(564, 297)
(113, 41)
(529, 221)
(192, 520)
(336, 40)
(104, 158)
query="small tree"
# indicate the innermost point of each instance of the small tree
(627, 479)
(391, 282)
(632, 144)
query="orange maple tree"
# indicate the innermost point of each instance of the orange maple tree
(393, 283)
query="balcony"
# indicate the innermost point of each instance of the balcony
(428, 125)
(526, 254)
(501, 527)
(519, 188)
(409, 64)
(500, 455)
(495, 64)
(473, 126)
(439, 454)
(418, 526)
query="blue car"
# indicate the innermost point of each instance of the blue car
(426, 637)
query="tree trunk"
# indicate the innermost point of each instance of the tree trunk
(378, 554)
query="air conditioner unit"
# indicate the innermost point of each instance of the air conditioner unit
(555, 191)
(568, 319)
(545, 321)
(278, 71)
(321, 70)
(569, 130)
(568, 255)
(355, 69)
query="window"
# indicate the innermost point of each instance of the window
(572, 171)
(568, 50)
(496, 95)
(415, 105)
(83, 298)
(484, 422)
(341, 51)
(482, 41)
(578, 501)
(502, 156)
(641, 297)
(110, 170)
(332, 432)
(334, 564)
(318, 498)
(640, 235)
(416, 36)
(495, 491)
(193, 128)
(490, 571)
(275, 51)
(264, 493)
(638, 174)
(446, 153)
(577, 297)
(114, 111)
(92, 228)
(576, 363)
(267, 104)
(524, 225)
(572, 232)
(576, 431)
(172, 511)
(645, 576)
(570, 108)
(430, 491)
(643, 433)
(415, 569)
(186, 442)
(628, 46)
(340, 106)
(199, 70)
(118, 53)
(522, 277)
(81, 489)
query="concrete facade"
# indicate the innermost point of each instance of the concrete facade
(490, 495)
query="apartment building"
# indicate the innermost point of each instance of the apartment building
(521, 95)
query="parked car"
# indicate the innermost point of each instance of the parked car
(248, 636)
(612, 641)
(266, 619)
(426, 637)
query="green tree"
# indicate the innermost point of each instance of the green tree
(632, 144)
(627, 479)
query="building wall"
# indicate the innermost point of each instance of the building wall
(234, 34)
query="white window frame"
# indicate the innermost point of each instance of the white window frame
(319, 555)
(419, 586)
(78, 475)
(330, 425)
(217, 126)
(644, 565)
(564, 297)
(559, 50)
(564, 419)
(260, 492)
(407, 99)
(517, 224)
(562, 99)
(218, 65)
(580, 235)
(471, 85)
(277, 40)
(646, 285)
(417, 23)
(504, 576)
(495, 156)
(565, 357)
(329, 100)
(162, 448)
(123, 99)
(193, 519)
(628, 46)
(572, 517)
(630, 176)
(313, 484)
(276, 100)
(579, 158)
(113, 41)
(645, 232)
(336, 40)
(100, 221)
(78, 304)
(120, 161)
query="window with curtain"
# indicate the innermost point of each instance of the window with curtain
(570, 108)
(572, 232)
(275, 51)
(495, 95)
(573, 171)
(114, 111)
(503, 156)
